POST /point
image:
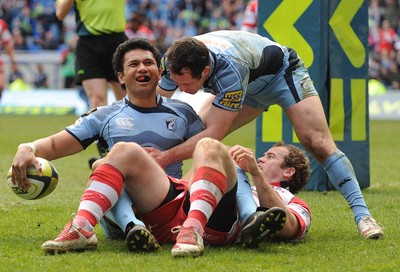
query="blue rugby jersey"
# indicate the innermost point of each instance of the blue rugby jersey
(237, 58)
(167, 125)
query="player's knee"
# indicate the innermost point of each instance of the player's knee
(320, 146)
(123, 151)
(209, 148)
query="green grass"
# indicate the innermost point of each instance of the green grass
(333, 243)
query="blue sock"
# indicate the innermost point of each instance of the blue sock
(122, 213)
(341, 174)
(244, 196)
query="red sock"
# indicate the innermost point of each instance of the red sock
(208, 187)
(102, 193)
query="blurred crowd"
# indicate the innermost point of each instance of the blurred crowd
(34, 27)
(32, 24)
(384, 44)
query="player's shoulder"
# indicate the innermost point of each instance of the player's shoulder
(105, 110)
(282, 191)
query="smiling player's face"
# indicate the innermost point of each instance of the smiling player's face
(141, 73)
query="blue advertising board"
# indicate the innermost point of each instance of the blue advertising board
(331, 38)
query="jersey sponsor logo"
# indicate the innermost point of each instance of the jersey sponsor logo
(124, 123)
(171, 123)
(232, 99)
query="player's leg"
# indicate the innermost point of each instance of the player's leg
(257, 223)
(96, 90)
(244, 196)
(309, 121)
(121, 223)
(146, 188)
(109, 46)
(90, 66)
(214, 174)
(105, 185)
(122, 214)
(119, 93)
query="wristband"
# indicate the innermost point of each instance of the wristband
(30, 145)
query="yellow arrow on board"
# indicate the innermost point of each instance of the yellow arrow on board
(280, 26)
(348, 40)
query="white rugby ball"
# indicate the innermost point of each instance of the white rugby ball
(41, 186)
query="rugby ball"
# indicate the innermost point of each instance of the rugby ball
(41, 186)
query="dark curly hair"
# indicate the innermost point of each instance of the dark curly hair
(297, 158)
(188, 53)
(129, 45)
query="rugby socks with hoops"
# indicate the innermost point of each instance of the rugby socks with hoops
(341, 174)
(103, 192)
(207, 189)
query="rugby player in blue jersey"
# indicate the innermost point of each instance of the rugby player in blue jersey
(127, 128)
(143, 117)
(247, 73)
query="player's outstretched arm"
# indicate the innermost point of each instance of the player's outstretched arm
(53, 147)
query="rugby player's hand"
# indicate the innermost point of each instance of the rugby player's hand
(22, 160)
(244, 158)
(158, 155)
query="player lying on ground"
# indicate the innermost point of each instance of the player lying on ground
(280, 173)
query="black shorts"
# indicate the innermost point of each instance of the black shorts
(94, 56)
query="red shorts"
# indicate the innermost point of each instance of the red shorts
(161, 221)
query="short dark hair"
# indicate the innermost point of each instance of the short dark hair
(188, 53)
(129, 45)
(297, 158)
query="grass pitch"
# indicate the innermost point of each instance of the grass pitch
(333, 243)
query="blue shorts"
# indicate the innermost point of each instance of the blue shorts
(290, 85)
